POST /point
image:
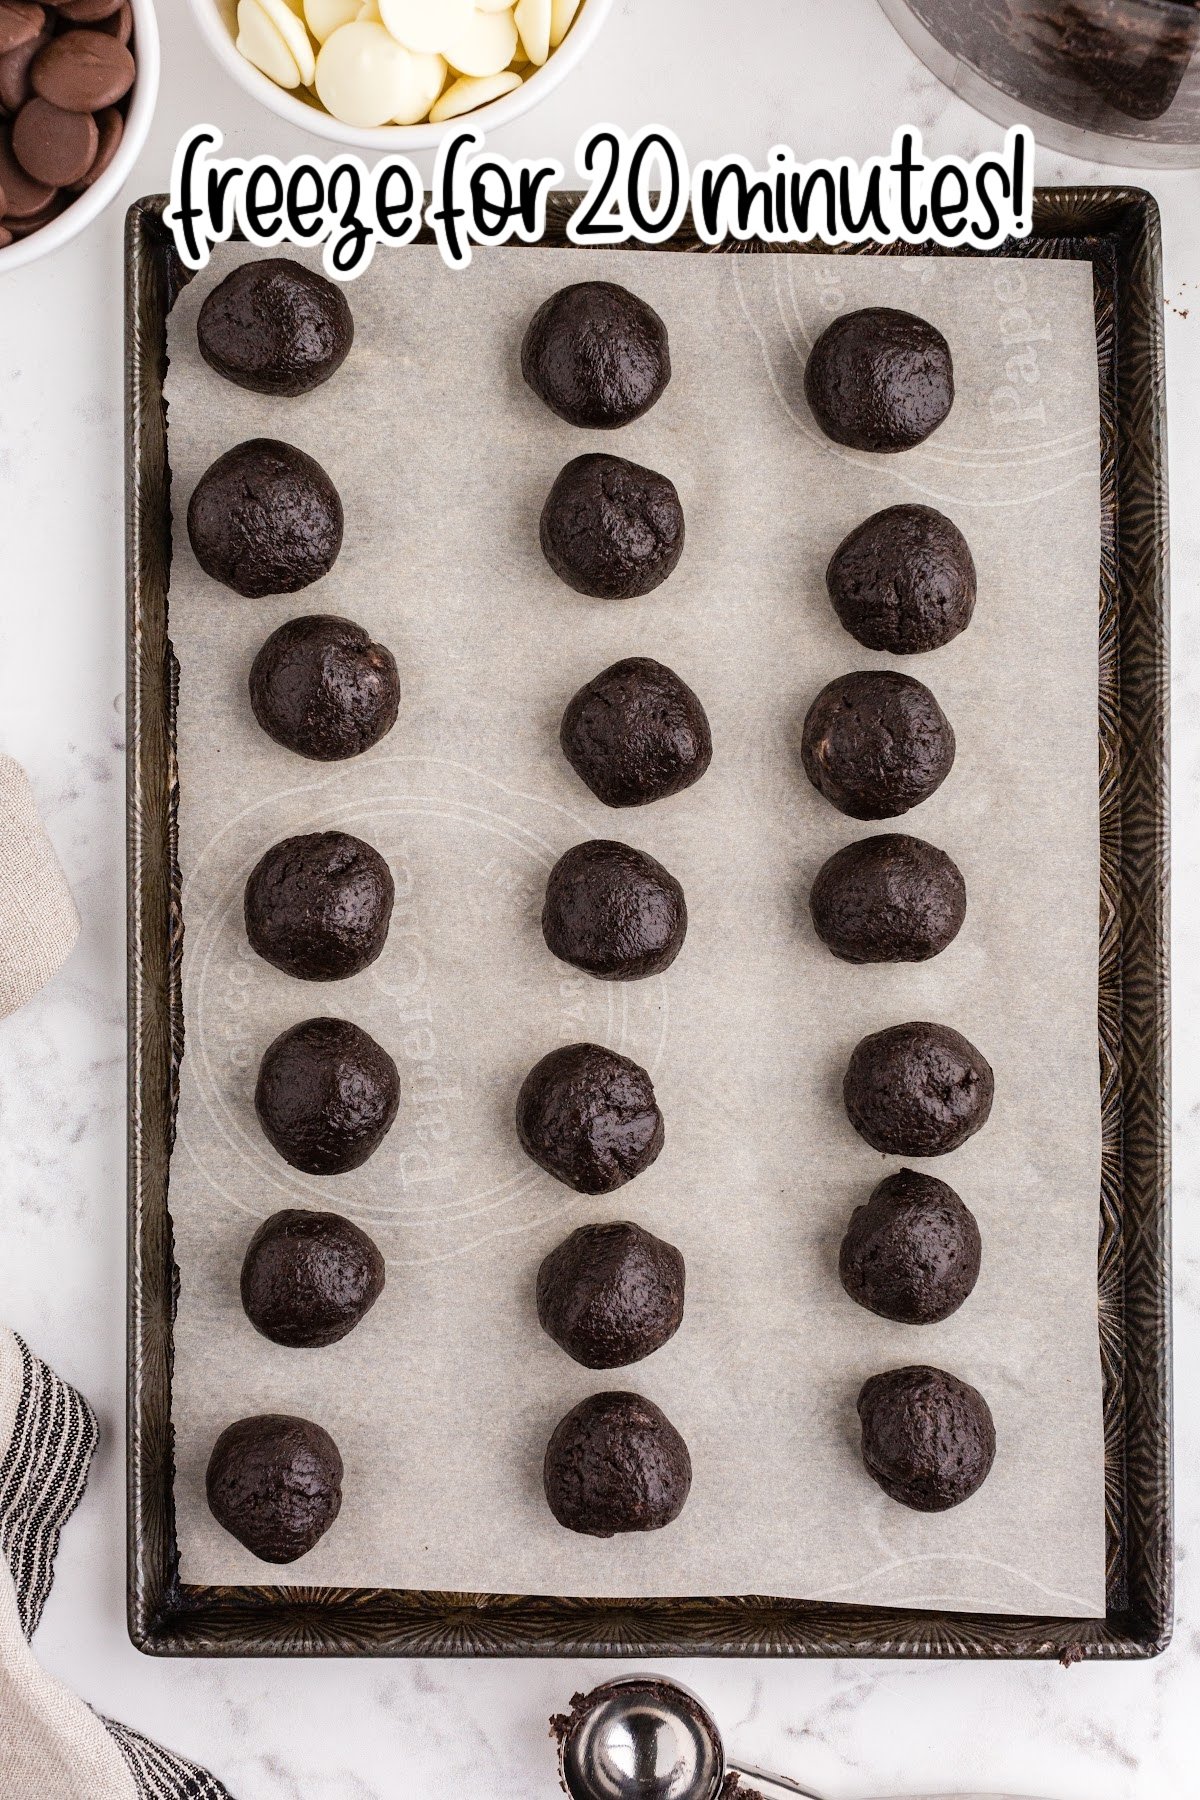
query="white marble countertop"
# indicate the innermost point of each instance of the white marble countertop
(828, 80)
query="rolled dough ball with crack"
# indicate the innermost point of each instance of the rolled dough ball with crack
(912, 1253)
(321, 687)
(275, 327)
(327, 1095)
(275, 1483)
(928, 1438)
(589, 1117)
(636, 733)
(891, 898)
(613, 911)
(616, 1463)
(876, 743)
(611, 528)
(903, 581)
(308, 1278)
(610, 1295)
(879, 379)
(318, 906)
(917, 1089)
(265, 519)
(596, 354)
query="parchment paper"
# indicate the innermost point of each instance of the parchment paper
(443, 1399)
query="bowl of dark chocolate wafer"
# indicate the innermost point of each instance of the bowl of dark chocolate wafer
(78, 81)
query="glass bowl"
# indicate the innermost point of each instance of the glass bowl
(1109, 80)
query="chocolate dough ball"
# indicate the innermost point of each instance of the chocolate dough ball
(265, 519)
(589, 1117)
(309, 1277)
(275, 327)
(917, 1090)
(876, 743)
(904, 580)
(596, 354)
(879, 379)
(611, 1294)
(318, 906)
(927, 1437)
(636, 733)
(616, 1463)
(320, 687)
(327, 1095)
(613, 911)
(275, 1483)
(912, 1252)
(611, 528)
(891, 898)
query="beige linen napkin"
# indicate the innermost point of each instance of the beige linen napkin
(38, 920)
(52, 1746)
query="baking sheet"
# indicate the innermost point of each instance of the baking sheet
(442, 1400)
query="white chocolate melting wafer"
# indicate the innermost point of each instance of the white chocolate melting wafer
(470, 91)
(485, 45)
(426, 26)
(427, 78)
(364, 76)
(294, 33)
(324, 17)
(533, 22)
(261, 43)
(561, 14)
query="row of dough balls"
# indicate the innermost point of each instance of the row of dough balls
(397, 62)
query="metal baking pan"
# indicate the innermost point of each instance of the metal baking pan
(1117, 231)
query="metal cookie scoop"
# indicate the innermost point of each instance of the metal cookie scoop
(647, 1738)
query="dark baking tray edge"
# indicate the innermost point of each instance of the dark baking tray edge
(1117, 229)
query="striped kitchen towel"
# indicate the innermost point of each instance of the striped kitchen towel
(52, 1746)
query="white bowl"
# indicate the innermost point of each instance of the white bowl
(217, 20)
(92, 202)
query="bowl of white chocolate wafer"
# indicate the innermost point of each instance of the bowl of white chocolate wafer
(398, 74)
